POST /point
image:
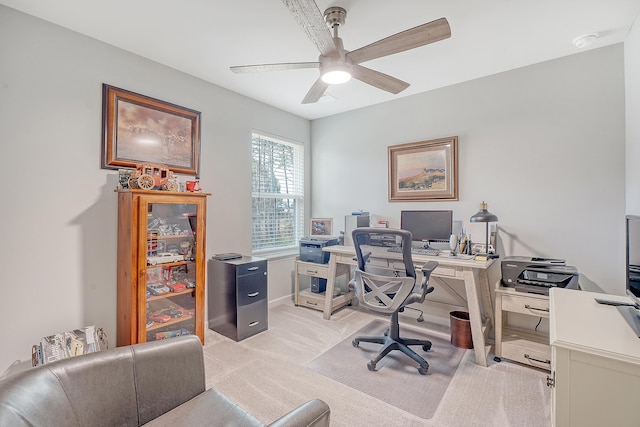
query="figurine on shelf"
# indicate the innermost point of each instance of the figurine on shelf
(185, 248)
(123, 179)
(149, 176)
(194, 186)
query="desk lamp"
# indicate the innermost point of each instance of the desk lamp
(483, 215)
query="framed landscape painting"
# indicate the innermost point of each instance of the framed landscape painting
(140, 129)
(424, 171)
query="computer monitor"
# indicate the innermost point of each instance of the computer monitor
(632, 314)
(426, 226)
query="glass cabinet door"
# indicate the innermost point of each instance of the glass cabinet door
(170, 277)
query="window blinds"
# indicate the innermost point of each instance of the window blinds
(277, 192)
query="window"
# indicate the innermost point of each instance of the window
(277, 192)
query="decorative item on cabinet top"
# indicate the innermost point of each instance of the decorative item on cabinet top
(149, 176)
(152, 176)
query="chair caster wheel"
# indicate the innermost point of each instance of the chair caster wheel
(423, 370)
(355, 343)
(426, 347)
(371, 366)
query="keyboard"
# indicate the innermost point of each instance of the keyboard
(417, 251)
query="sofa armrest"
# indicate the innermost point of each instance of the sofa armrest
(314, 413)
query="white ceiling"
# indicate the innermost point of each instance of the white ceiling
(205, 37)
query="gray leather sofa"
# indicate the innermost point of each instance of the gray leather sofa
(157, 383)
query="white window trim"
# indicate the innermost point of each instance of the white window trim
(296, 193)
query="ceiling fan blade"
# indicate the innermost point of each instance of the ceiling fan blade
(316, 91)
(273, 67)
(378, 79)
(415, 37)
(309, 18)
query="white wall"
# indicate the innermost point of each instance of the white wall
(58, 214)
(632, 85)
(544, 145)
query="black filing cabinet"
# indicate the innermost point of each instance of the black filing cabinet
(237, 296)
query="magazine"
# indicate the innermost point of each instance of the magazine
(82, 341)
(68, 344)
(53, 348)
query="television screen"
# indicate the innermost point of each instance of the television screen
(427, 225)
(633, 257)
(632, 313)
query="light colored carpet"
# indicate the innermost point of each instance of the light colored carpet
(396, 380)
(267, 375)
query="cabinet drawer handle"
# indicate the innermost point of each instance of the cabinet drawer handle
(548, 362)
(254, 323)
(311, 303)
(538, 309)
(253, 294)
(312, 271)
(253, 268)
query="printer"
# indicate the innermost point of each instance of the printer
(537, 275)
(311, 249)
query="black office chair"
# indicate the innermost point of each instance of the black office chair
(384, 282)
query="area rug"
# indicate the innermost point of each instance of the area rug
(396, 380)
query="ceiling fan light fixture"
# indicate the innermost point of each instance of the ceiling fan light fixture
(338, 65)
(336, 75)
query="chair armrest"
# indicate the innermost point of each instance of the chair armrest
(427, 269)
(314, 413)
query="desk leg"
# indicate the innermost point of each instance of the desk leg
(471, 284)
(296, 292)
(331, 283)
(487, 305)
(498, 325)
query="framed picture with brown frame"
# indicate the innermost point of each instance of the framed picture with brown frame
(140, 129)
(424, 171)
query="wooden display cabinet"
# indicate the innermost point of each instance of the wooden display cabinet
(161, 246)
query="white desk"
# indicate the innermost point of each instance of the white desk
(595, 362)
(472, 273)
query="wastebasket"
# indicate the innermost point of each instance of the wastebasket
(460, 329)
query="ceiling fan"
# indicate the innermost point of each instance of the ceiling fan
(338, 65)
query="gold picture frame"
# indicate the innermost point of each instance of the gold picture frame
(140, 129)
(321, 227)
(424, 171)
